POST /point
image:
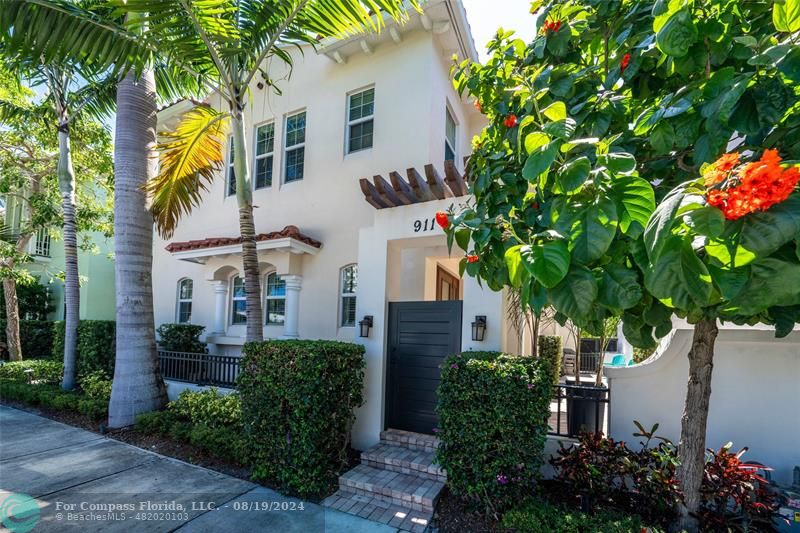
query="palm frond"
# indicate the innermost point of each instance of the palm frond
(98, 98)
(189, 158)
(343, 18)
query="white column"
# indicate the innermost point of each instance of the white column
(220, 302)
(292, 318)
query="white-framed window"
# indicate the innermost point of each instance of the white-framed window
(450, 127)
(230, 173)
(184, 308)
(275, 299)
(238, 301)
(360, 120)
(294, 152)
(265, 148)
(347, 296)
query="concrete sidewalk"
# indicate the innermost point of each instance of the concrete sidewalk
(58, 478)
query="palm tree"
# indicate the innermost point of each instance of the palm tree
(236, 37)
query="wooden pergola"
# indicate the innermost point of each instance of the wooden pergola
(382, 194)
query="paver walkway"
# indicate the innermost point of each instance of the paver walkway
(83, 481)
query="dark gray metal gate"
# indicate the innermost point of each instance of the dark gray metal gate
(421, 335)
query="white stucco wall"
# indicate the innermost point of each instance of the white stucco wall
(754, 393)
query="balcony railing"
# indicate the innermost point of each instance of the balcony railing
(200, 368)
(578, 408)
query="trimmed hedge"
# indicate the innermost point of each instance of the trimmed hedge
(43, 371)
(538, 516)
(181, 338)
(97, 345)
(36, 337)
(493, 411)
(551, 350)
(53, 397)
(298, 399)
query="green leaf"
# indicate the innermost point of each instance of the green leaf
(730, 281)
(539, 161)
(679, 277)
(575, 295)
(591, 230)
(708, 221)
(548, 262)
(659, 227)
(786, 15)
(573, 174)
(618, 162)
(677, 34)
(555, 111)
(535, 140)
(662, 138)
(462, 238)
(619, 287)
(635, 201)
(516, 271)
(772, 283)
(764, 232)
(785, 318)
(790, 66)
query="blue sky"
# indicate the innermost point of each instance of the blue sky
(485, 16)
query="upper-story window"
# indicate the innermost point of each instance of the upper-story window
(265, 147)
(275, 300)
(230, 173)
(349, 284)
(295, 147)
(238, 302)
(360, 120)
(449, 136)
(41, 243)
(185, 287)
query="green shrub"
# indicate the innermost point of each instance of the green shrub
(22, 391)
(96, 385)
(551, 350)
(36, 337)
(155, 422)
(208, 407)
(181, 338)
(493, 411)
(44, 371)
(93, 408)
(96, 348)
(298, 399)
(33, 302)
(538, 516)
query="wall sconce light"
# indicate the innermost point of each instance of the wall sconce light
(479, 328)
(365, 325)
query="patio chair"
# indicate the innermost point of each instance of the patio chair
(617, 360)
(631, 362)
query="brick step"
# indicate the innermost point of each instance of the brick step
(407, 490)
(407, 439)
(404, 460)
(399, 516)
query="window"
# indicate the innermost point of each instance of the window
(230, 178)
(265, 145)
(238, 302)
(360, 120)
(185, 287)
(41, 246)
(449, 136)
(348, 295)
(295, 147)
(276, 300)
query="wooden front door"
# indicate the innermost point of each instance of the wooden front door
(448, 287)
(421, 335)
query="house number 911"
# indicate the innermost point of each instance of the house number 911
(426, 224)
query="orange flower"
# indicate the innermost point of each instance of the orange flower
(623, 64)
(472, 258)
(478, 106)
(727, 162)
(442, 219)
(510, 121)
(551, 26)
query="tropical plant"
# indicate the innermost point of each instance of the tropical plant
(236, 38)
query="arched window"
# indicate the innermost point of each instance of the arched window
(184, 308)
(349, 284)
(238, 302)
(275, 300)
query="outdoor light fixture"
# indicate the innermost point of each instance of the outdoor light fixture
(479, 328)
(365, 325)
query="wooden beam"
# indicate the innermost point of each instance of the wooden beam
(438, 186)
(395, 34)
(402, 188)
(371, 195)
(454, 179)
(387, 191)
(419, 185)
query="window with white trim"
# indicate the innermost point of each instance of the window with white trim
(230, 173)
(449, 136)
(294, 152)
(265, 147)
(184, 308)
(349, 285)
(238, 301)
(275, 300)
(360, 120)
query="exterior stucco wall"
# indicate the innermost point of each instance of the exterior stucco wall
(753, 400)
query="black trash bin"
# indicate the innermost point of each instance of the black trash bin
(585, 408)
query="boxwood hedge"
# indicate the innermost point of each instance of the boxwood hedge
(96, 345)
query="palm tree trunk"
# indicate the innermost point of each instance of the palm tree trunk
(66, 185)
(691, 448)
(13, 343)
(247, 229)
(138, 386)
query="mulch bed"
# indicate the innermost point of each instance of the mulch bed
(454, 516)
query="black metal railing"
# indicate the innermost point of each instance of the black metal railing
(589, 362)
(200, 368)
(578, 408)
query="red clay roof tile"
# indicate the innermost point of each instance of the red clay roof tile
(289, 232)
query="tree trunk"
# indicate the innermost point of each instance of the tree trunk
(138, 386)
(66, 185)
(247, 230)
(12, 320)
(691, 448)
